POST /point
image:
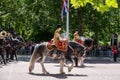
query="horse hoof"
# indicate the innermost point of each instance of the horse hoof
(30, 71)
(62, 73)
(46, 73)
(69, 69)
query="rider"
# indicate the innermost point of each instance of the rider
(57, 37)
(77, 38)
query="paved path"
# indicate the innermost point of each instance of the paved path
(95, 69)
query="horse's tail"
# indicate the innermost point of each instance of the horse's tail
(33, 58)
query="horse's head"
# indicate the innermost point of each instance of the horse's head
(88, 43)
(77, 48)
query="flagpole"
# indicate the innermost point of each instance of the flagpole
(67, 22)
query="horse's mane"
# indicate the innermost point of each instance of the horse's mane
(75, 44)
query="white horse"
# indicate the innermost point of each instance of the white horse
(41, 52)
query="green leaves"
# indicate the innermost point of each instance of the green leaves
(80, 3)
(111, 3)
(37, 19)
(99, 5)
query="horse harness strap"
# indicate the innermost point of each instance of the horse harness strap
(71, 48)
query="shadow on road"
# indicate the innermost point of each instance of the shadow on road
(60, 76)
(85, 66)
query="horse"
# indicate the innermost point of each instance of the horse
(2, 51)
(12, 45)
(41, 52)
(16, 44)
(88, 43)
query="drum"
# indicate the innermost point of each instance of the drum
(62, 45)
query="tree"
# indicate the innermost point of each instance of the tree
(36, 20)
(101, 6)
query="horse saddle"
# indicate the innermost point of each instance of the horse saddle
(62, 45)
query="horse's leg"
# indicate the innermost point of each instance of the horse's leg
(61, 66)
(16, 56)
(71, 58)
(82, 59)
(72, 65)
(7, 56)
(33, 59)
(42, 65)
(2, 56)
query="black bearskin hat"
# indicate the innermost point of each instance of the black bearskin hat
(59, 26)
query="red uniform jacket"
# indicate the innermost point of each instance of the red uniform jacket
(114, 50)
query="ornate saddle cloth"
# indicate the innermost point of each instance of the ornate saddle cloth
(62, 45)
(49, 45)
(80, 41)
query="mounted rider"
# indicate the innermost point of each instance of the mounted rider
(80, 41)
(77, 38)
(56, 36)
(59, 42)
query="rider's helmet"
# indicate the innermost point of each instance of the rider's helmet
(58, 26)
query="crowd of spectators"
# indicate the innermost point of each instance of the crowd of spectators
(102, 51)
(28, 48)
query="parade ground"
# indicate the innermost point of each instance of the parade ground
(96, 68)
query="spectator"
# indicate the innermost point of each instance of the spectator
(115, 52)
(119, 50)
(32, 48)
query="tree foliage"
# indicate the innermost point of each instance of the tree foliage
(99, 5)
(97, 22)
(36, 20)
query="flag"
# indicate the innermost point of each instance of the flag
(64, 8)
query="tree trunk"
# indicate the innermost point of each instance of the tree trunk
(96, 39)
(80, 21)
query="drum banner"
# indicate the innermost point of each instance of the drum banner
(62, 45)
(80, 41)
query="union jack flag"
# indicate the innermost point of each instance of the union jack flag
(64, 8)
